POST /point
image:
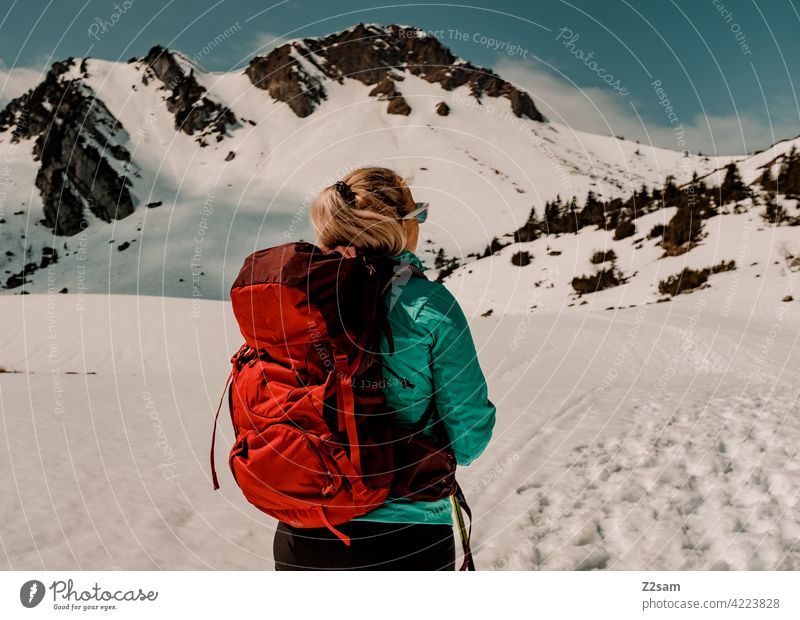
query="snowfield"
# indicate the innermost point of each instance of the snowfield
(662, 436)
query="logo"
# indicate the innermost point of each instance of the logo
(31, 593)
(402, 274)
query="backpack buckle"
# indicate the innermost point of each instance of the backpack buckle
(241, 357)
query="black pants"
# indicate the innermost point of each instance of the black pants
(373, 546)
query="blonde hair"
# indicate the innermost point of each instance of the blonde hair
(365, 217)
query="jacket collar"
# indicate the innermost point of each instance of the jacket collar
(407, 256)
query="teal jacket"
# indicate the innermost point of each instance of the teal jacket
(435, 353)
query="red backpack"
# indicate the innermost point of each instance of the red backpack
(306, 400)
(315, 443)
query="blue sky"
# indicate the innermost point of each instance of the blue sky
(729, 69)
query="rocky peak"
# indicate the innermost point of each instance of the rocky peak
(78, 145)
(194, 112)
(295, 72)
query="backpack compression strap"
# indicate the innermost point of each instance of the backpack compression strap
(236, 362)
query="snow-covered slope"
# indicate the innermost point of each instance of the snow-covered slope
(659, 437)
(482, 167)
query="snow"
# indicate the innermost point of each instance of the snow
(759, 252)
(662, 437)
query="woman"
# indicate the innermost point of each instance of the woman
(373, 210)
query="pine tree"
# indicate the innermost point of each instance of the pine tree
(732, 188)
(552, 216)
(644, 197)
(766, 181)
(774, 212)
(686, 225)
(789, 177)
(593, 211)
(530, 230)
(569, 217)
(671, 194)
(441, 260)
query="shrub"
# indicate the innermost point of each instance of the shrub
(601, 280)
(494, 246)
(689, 279)
(625, 228)
(686, 280)
(601, 257)
(521, 259)
(774, 212)
(729, 265)
(684, 227)
(447, 268)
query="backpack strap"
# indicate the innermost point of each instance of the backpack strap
(459, 504)
(236, 361)
(345, 403)
(228, 388)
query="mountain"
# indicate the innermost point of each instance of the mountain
(155, 177)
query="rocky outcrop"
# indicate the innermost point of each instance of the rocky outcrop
(194, 112)
(281, 73)
(386, 91)
(295, 72)
(78, 144)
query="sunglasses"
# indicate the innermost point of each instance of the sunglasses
(420, 213)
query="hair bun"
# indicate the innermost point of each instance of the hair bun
(346, 192)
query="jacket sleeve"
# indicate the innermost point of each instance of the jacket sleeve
(459, 387)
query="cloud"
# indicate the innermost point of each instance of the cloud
(15, 82)
(264, 42)
(603, 111)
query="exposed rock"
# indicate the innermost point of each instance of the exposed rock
(386, 91)
(230, 156)
(295, 72)
(286, 80)
(49, 256)
(153, 205)
(78, 146)
(194, 112)
(398, 105)
(442, 109)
